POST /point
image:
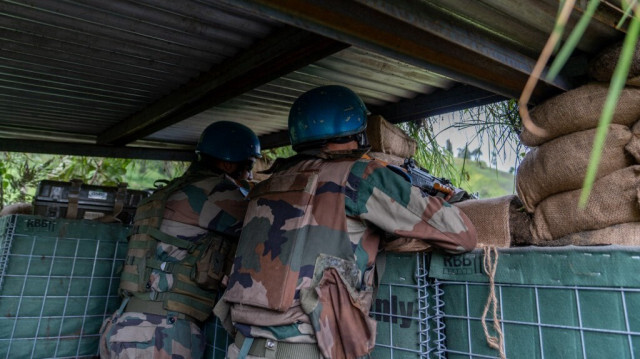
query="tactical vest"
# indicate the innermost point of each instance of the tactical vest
(191, 293)
(295, 228)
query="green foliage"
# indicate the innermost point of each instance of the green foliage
(436, 159)
(496, 127)
(279, 152)
(22, 172)
(485, 181)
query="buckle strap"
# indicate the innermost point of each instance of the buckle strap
(276, 349)
(165, 238)
(140, 305)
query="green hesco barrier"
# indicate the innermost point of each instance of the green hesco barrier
(400, 308)
(566, 302)
(58, 281)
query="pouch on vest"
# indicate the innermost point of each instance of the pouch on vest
(338, 311)
(214, 262)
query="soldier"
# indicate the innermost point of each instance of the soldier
(182, 242)
(304, 273)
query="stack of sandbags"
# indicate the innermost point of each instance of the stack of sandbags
(549, 180)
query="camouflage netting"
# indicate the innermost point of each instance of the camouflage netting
(387, 138)
(561, 164)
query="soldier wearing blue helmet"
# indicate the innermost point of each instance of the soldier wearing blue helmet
(304, 272)
(327, 114)
(180, 248)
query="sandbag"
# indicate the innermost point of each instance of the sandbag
(602, 66)
(560, 165)
(623, 234)
(498, 221)
(387, 138)
(633, 147)
(578, 110)
(17, 208)
(613, 200)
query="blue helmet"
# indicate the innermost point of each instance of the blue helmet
(326, 112)
(229, 141)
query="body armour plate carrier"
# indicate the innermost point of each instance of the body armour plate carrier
(196, 278)
(295, 251)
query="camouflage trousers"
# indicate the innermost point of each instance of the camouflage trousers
(139, 335)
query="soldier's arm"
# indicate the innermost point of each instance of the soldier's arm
(380, 196)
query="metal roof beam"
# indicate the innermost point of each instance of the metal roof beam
(415, 33)
(92, 150)
(287, 50)
(437, 103)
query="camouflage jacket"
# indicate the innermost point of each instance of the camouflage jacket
(304, 269)
(207, 204)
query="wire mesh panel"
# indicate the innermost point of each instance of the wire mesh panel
(400, 308)
(552, 303)
(59, 282)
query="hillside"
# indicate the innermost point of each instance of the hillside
(487, 182)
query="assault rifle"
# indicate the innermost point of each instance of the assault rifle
(432, 185)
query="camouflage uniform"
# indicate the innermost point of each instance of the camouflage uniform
(208, 202)
(304, 270)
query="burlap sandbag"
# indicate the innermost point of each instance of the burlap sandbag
(17, 208)
(602, 66)
(633, 147)
(579, 110)
(561, 164)
(498, 221)
(387, 138)
(613, 200)
(623, 234)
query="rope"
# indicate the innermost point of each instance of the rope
(495, 342)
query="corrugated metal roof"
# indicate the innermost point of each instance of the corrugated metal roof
(378, 80)
(84, 66)
(155, 73)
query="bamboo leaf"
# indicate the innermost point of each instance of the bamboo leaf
(618, 81)
(572, 41)
(628, 8)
